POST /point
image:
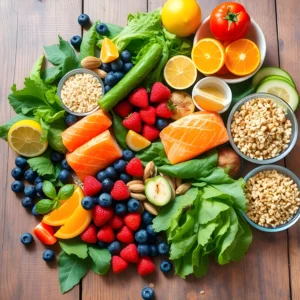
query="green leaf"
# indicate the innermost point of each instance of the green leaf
(49, 75)
(71, 270)
(199, 184)
(186, 227)
(202, 269)
(42, 164)
(180, 248)
(35, 73)
(205, 232)
(113, 30)
(155, 153)
(74, 246)
(44, 206)
(65, 192)
(54, 136)
(49, 189)
(119, 130)
(186, 266)
(100, 260)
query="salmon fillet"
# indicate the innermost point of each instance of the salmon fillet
(94, 155)
(85, 129)
(192, 135)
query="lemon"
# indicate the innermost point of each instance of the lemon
(183, 103)
(136, 142)
(181, 17)
(24, 137)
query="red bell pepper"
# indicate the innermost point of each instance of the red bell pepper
(45, 233)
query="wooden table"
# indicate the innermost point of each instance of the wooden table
(270, 270)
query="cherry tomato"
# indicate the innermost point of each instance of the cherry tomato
(45, 233)
(229, 21)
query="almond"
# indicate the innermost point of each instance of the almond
(178, 182)
(91, 62)
(102, 74)
(150, 208)
(137, 188)
(134, 182)
(149, 170)
(138, 196)
(183, 188)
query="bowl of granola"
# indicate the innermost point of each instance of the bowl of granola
(79, 92)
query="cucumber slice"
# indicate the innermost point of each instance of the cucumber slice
(282, 89)
(272, 77)
(269, 71)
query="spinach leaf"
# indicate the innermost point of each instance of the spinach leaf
(182, 247)
(155, 153)
(74, 246)
(119, 130)
(42, 164)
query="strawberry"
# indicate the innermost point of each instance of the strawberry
(45, 233)
(150, 132)
(133, 122)
(135, 168)
(139, 98)
(106, 234)
(118, 264)
(145, 266)
(125, 235)
(133, 221)
(130, 253)
(159, 92)
(123, 108)
(120, 191)
(91, 186)
(90, 234)
(164, 110)
(101, 215)
(148, 115)
(116, 222)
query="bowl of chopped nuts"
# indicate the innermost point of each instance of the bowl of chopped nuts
(273, 197)
(79, 92)
(262, 128)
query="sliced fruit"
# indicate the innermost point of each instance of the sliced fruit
(60, 216)
(183, 103)
(282, 89)
(223, 71)
(24, 137)
(136, 142)
(278, 77)
(109, 51)
(210, 99)
(180, 72)
(242, 57)
(208, 56)
(158, 191)
(45, 233)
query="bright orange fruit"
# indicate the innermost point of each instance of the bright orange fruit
(109, 51)
(135, 141)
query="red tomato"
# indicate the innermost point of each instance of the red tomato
(229, 21)
(45, 233)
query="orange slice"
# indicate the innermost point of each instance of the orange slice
(208, 56)
(136, 142)
(242, 57)
(109, 52)
(60, 216)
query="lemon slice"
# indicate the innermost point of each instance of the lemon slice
(24, 137)
(135, 141)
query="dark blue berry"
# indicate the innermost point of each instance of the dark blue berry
(119, 75)
(101, 176)
(128, 155)
(102, 28)
(65, 165)
(147, 218)
(121, 209)
(26, 238)
(56, 157)
(17, 173)
(163, 248)
(110, 79)
(120, 165)
(143, 249)
(41, 195)
(38, 180)
(21, 162)
(17, 186)
(125, 177)
(64, 176)
(153, 250)
(105, 200)
(27, 202)
(70, 120)
(161, 123)
(107, 185)
(165, 266)
(48, 255)
(141, 236)
(30, 175)
(127, 67)
(39, 187)
(83, 20)
(125, 56)
(114, 248)
(105, 67)
(107, 88)
(96, 198)
(101, 245)
(87, 203)
(133, 205)
(34, 212)
(76, 41)
(150, 230)
(117, 65)
(111, 173)
(147, 293)
(30, 191)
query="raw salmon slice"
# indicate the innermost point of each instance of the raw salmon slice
(192, 135)
(94, 155)
(85, 129)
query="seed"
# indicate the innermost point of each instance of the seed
(134, 182)
(137, 188)
(138, 196)
(150, 208)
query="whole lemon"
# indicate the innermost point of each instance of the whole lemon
(181, 17)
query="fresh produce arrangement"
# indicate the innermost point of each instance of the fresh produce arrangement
(123, 157)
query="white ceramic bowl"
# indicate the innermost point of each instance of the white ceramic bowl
(255, 34)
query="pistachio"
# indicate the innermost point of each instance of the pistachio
(138, 196)
(137, 188)
(150, 208)
(91, 62)
(102, 74)
(183, 188)
(149, 170)
(134, 182)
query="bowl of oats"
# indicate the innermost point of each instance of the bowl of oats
(273, 197)
(262, 128)
(79, 91)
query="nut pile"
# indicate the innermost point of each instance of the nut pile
(260, 129)
(81, 92)
(273, 198)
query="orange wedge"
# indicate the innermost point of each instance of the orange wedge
(109, 52)
(208, 56)
(136, 142)
(242, 57)
(59, 216)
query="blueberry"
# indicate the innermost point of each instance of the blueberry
(17, 173)
(48, 255)
(127, 67)
(125, 56)
(70, 120)
(17, 186)
(56, 157)
(64, 176)
(102, 28)
(110, 79)
(105, 200)
(121, 209)
(125, 177)
(76, 41)
(26, 238)
(147, 218)
(117, 65)
(163, 248)
(114, 248)
(30, 191)
(101, 245)
(161, 123)
(107, 185)
(147, 293)
(83, 20)
(39, 187)
(105, 67)
(95, 199)
(120, 165)
(27, 202)
(87, 203)
(107, 88)
(133, 205)
(128, 155)
(111, 173)
(153, 250)
(150, 230)
(65, 165)
(34, 212)
(141, 236)
(165, 266)
(38, 180)
(119, 75)
(30, 175)
(21, 162)
(101, 176)
(41, 195)
(143, 249)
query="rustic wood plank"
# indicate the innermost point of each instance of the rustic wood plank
(25, 27)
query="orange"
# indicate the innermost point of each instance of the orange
(109, 51)
(59, 216)
(209, 56)
(242, 57)
(135, 141)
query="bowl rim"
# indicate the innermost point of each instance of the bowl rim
(281, 170)
(293, 119)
